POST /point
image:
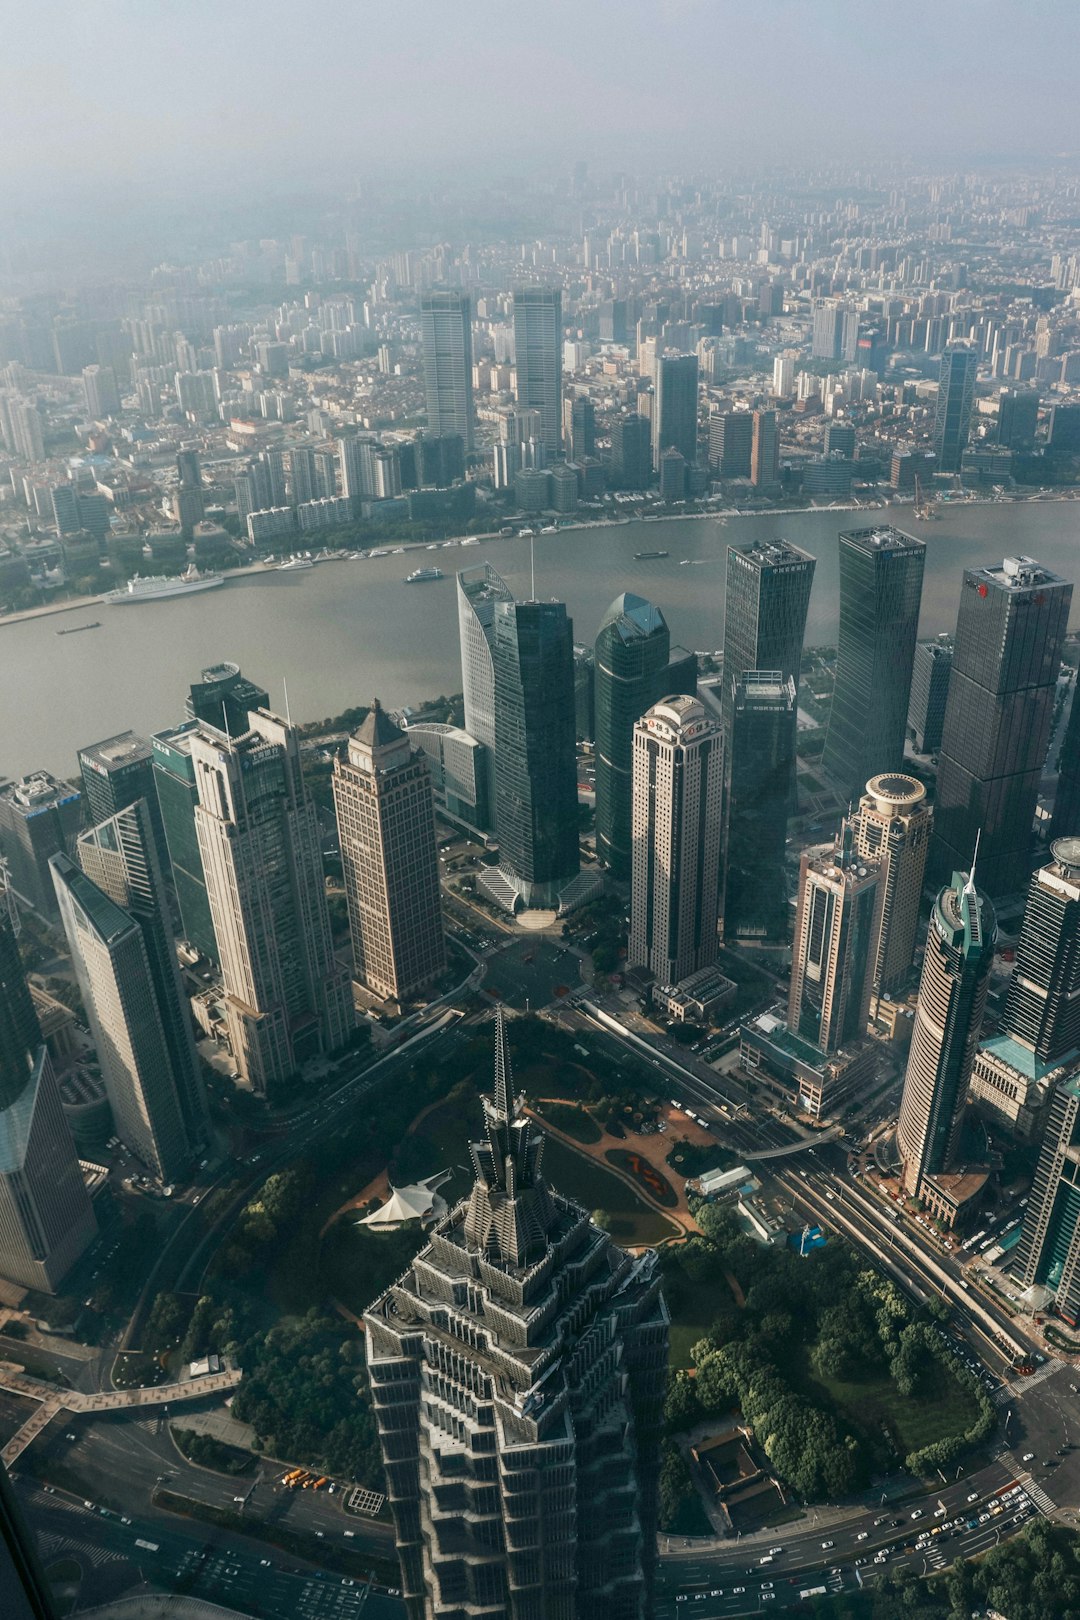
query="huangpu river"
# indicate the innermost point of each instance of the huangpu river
(344, 632)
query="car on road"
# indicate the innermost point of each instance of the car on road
(974, 1497)
(918, 1513)
(1029, 1456)
(825, 1545)
(863, 1535)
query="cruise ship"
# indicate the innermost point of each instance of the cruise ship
(420, 576)
(156, 587)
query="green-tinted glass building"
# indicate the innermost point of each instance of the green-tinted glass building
(634, 669)
(177, 796)
(119, 772)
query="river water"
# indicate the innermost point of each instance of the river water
(344, 632)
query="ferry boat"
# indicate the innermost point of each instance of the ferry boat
(296, 562)
(421, 576)
(157, 587)
(647, 556)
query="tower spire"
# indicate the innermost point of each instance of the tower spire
(969, 886)
(502, 1066)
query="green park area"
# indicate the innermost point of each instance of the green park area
(837, 1374)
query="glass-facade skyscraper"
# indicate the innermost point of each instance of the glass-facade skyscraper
(538, 359)
(762, 760)
(633, 670)
(1007, 655)
(768, 593)
(521, 1463)
(117, 772)
(881, 575)
(948, 1021)
(952, 415)
(1048, 1253)
(676, 407)
(536, 809)
(832, 954)
(446, 334)
(177, 796)
(1066, 822)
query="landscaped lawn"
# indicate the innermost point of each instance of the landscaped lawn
(570, 1118)
(581, 1178)
(941, 1407)
(694, 1308)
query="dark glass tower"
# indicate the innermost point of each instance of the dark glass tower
(952, 417)
(224, 697)
(24, 1591)
(631, 461)
(675, 421)
(930, 672)
(881, 575)
(762, 761)
(768, 593)
(1007, 656)
(1048, 1253)
(517, 1374)
(177, 796)
(536, 811)
(634, 670)
(1042, 1009)
(948, 1020)
(119, 772)
(20, 1033)
(1066, 822)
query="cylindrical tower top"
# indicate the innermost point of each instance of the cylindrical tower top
(893, 792)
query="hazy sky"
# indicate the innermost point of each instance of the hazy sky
(203, 93)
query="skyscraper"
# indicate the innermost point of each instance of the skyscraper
(1007, 655)
(675, 411)
(633, 670)
(1048, 1253)
(1039, 1037)
(177, 796)
(948, 1020)
(25, 1593)
(46, 1221)
(39, 817)
(892, 825)
(768, 593)
(538, 359)
(222, 697)
(536, 812)
(119, 857)
(731, 436)
(881, 574)
(521, 1467)
(765, 450)
(446, 333)
(117, 772)
(1066, 823)
(677, 833)
(286, 998)
(127, 1021)
(101, 392)
(761, 764)
(930, 672)
(832, 955)
(952, 414)
(630, 453)
(386, 833)
(478, 590)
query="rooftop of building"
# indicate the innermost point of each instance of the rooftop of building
(882, 537)
(764, 686)
(633, 617)
(771, 553)
(127, 748)
(1017, 574)
(38, 791)
(1009, 1051)
(106, 916)
(893, 790)
(378, 730)
(1066, 862)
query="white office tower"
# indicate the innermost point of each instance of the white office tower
(287, 999)
(678, 774)
(386, 834)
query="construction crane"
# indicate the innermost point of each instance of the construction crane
(923, 510)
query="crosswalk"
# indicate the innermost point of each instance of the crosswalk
(53, 1546)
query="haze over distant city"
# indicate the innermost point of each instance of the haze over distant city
(146, 104)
